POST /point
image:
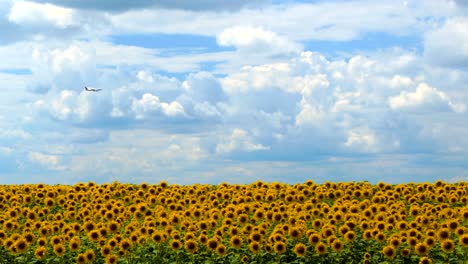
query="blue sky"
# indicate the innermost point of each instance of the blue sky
(233, 91)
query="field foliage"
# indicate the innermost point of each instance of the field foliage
(252, 223)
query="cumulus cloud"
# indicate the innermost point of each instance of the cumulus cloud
(33, 14)
(447, 45)
(150, 104)
(256, 40)
(362, 138)
(62, 68)
(239, 140)
(203, 96)
(50, 162)
(423, 99)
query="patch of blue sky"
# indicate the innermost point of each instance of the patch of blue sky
(297, 1)
(178, 75)
(173, 43)
(208, 66)
(17, 71)
(373, 41)
(105, 66)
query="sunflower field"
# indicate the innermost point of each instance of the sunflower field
(253, 223)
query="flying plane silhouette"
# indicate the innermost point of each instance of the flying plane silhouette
(91, 89)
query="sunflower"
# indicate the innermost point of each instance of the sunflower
(395, 242)
(430, 241)
(380, 225)
(412, 241)
(221, 250)
(380, 236)
(21, 245)
(255, 247)
(212, 243)
(389, 252)
(59, 250)
(279, 247)
(443, 233)
(135, 235)
(256, 236)
(94, 235)
(343, 230)
(236, 241)
(368, 234)
(300, 249)
(295, 233)
(191, 246)
(350, 236)
(321, 248)
(40, 252)
(42, 242)
(317, 223)
(464, 240)
(125, 244)
(430, 233)
(337, 245)
(55, 240)
(106, 250)
(90, 255)
(367, 256)
(326, 232)
(29, 236)
(44, 231)
(421, 249)
(314, 238)
(89, 226)
(453, 224)
(176, 244)
(425, 260)
(81, 258)
(203, 238)
(157, 237)
(447, 245)
(402, 225)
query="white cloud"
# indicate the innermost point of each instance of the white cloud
(256, 40)
(425, 98)
(15, 134)
(51, 162)
(310, 114)
(6, 151)
(259, 77)
(239, 140)
(145, 76)
(32, 14)
(150, 105)
(64, 106)
(319, 19)
(362, 138)
(88, 136)
(448, 45)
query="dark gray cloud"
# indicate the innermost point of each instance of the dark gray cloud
(124, 5)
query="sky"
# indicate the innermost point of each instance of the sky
(216, 91)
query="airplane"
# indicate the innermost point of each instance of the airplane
(92, 89)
